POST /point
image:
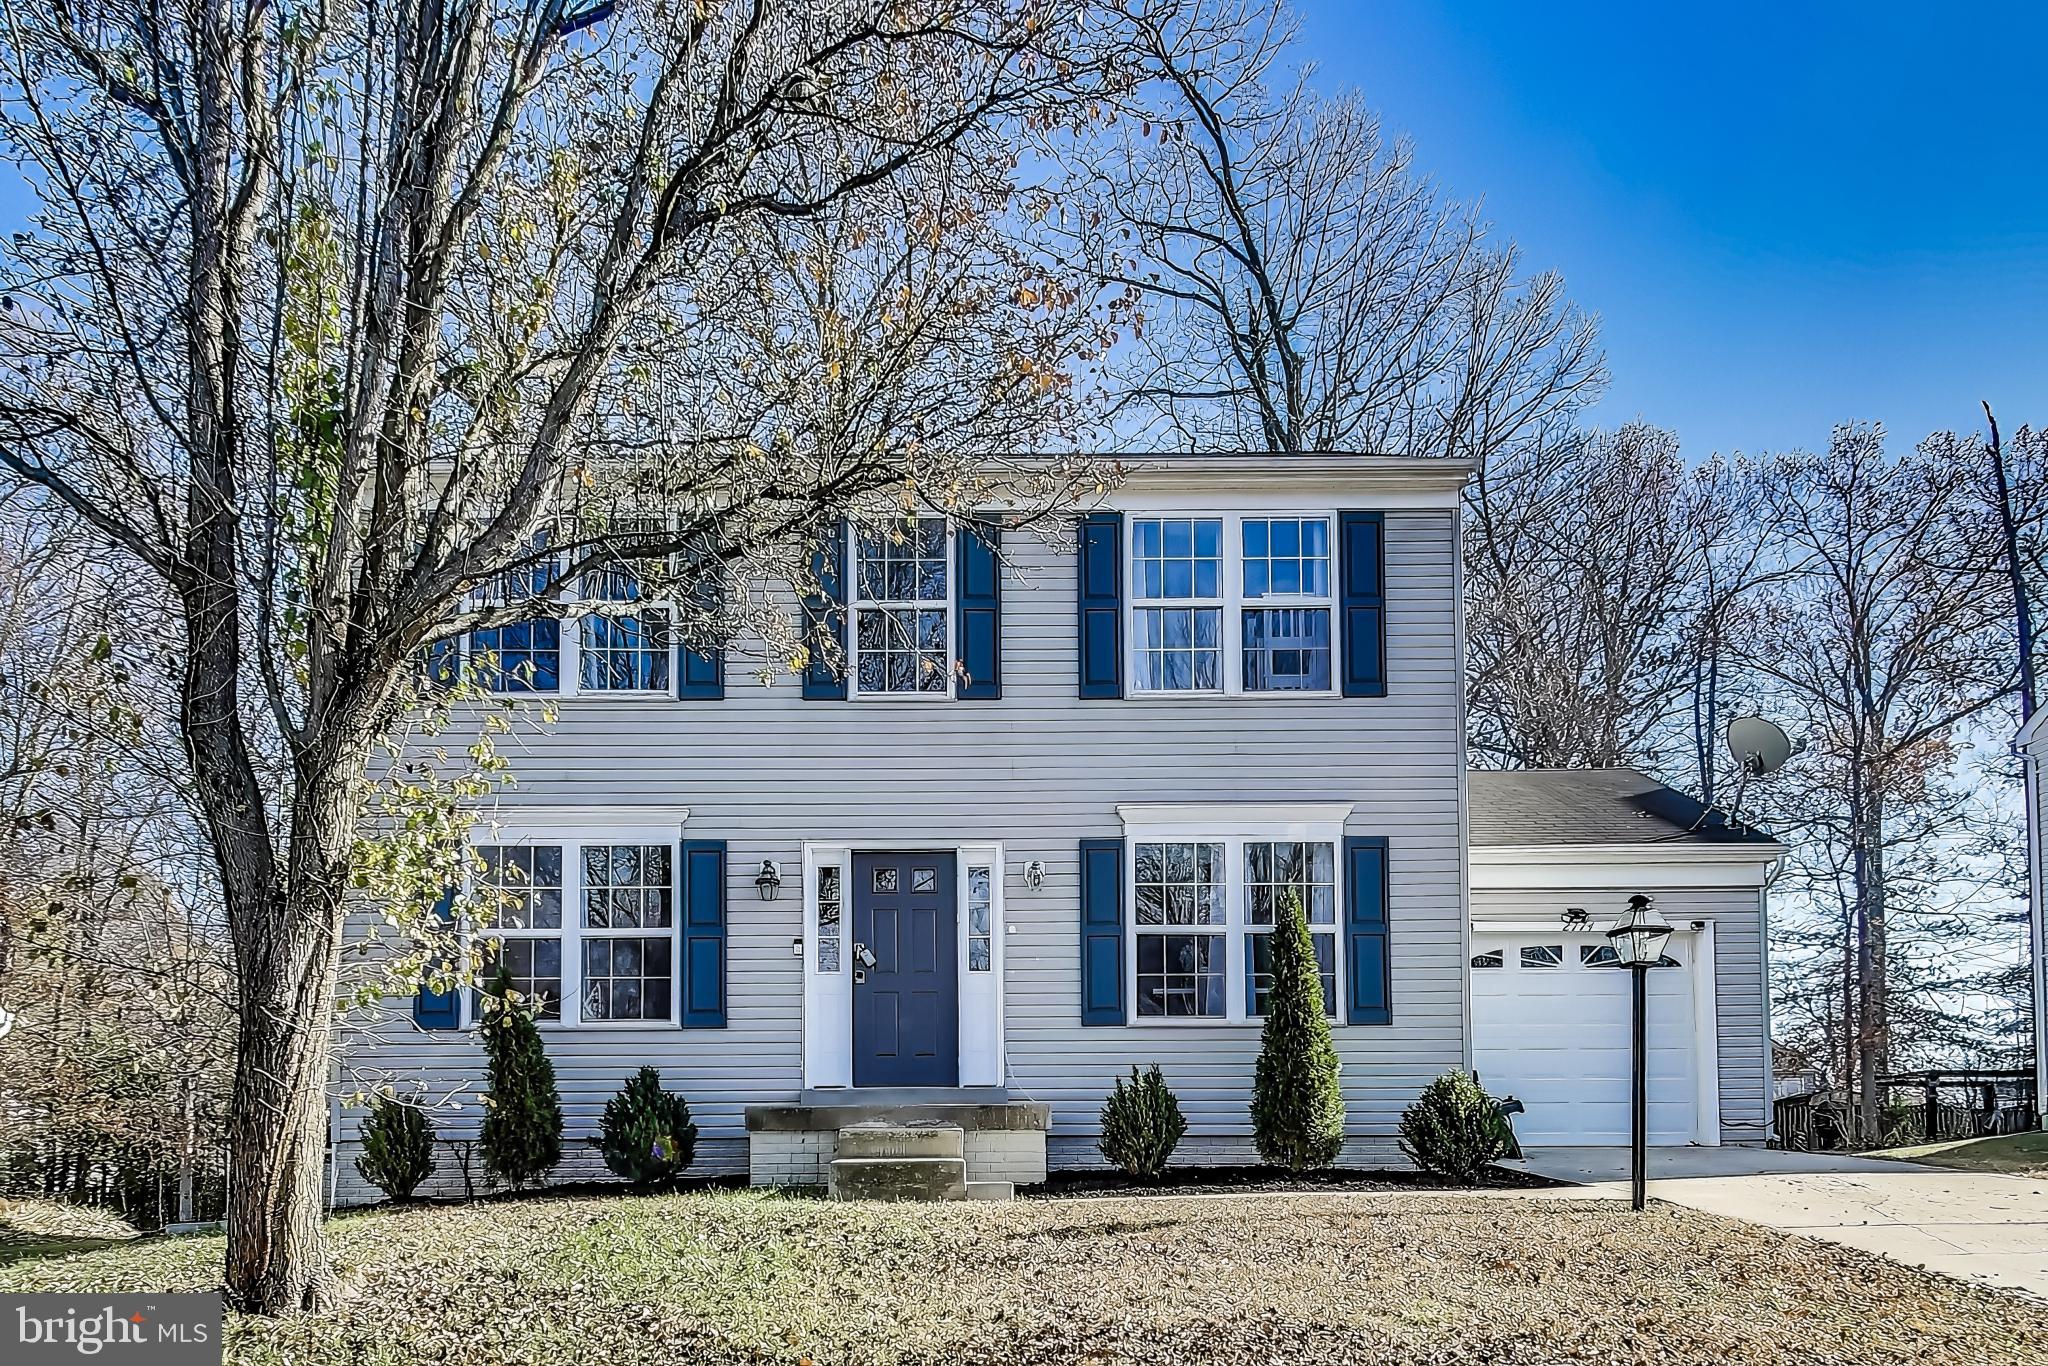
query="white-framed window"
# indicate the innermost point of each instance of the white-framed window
(1542, 956)
(587, 644)
(519, 901)
(1274, 870)
(585, 926)
(1177, 604)
(1490, 958)
(1231, 603)
(1205, 883)
(1179, 914)
(902, 605)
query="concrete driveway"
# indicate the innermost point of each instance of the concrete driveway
(1976, 1226)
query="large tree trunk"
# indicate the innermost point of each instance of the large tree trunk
(277, 1133)
(277, 1130)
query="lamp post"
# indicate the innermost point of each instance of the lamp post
(1638, 938)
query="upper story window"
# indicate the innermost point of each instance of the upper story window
(621, 651)
(586, 642)
(1177, 592)
(902, 610)
(1231, 604)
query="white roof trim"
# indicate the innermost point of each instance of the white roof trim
(1235, 818)
(2031, 731)
(1622, 867)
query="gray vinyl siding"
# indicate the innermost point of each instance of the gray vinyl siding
(1741, 1026)
(1040, 771)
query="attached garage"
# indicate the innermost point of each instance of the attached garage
(1555, 855)
(1550, 1027)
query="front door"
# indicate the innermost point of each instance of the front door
(906, 971)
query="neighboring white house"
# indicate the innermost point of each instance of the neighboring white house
(2032, 743)
(1555, 855)
(983, 878)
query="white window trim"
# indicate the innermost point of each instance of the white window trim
(572, 838)
(1234, 827)
(569, 611)
(1233, 600)
(855, 600)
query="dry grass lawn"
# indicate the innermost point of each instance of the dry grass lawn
(733, 1276)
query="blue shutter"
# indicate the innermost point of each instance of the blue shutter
(979, 598)
(441, 663)
(1102, 932)
(1369, 995)
(700, 674)
(439, 1009)
(701, 677)
(1101, 577)
(825, 617)
(703, 934)
(1362, 538)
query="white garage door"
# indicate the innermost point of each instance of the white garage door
(1551, 1028)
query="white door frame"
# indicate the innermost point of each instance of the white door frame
(828, 996)
(1706, 1048)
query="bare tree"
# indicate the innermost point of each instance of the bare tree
(338, 321)
(1880, 634)
(1302, 285)
(1596, 567)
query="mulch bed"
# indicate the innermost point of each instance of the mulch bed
(1066, 1185)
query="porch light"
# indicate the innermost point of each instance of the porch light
(769, 879)
(1639, 935)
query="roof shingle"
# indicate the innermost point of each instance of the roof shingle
(1592, 806)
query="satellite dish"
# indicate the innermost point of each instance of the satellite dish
(1759, 746)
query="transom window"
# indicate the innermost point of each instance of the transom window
(902, 641)
(613, 960)
(1231, 604)
(1203, 911)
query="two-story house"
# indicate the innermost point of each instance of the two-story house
(1031, 835)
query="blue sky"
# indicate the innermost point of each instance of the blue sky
(1786, 216)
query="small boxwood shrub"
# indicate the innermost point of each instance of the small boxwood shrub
(398, 1148)
(1141, 1124)
(647, 1134)
(1297, 1103)
(1454, 1129)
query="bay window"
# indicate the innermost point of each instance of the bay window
(1231, 604)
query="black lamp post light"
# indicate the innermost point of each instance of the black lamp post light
(1638, 938)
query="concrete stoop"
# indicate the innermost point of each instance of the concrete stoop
(952, 1144)
(878, 1160)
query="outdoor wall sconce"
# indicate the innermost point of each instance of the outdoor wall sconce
(769, 879)
(1034, 874)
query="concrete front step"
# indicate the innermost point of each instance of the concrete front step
(991, 1190)
(898, 1178)
(879, 1139)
